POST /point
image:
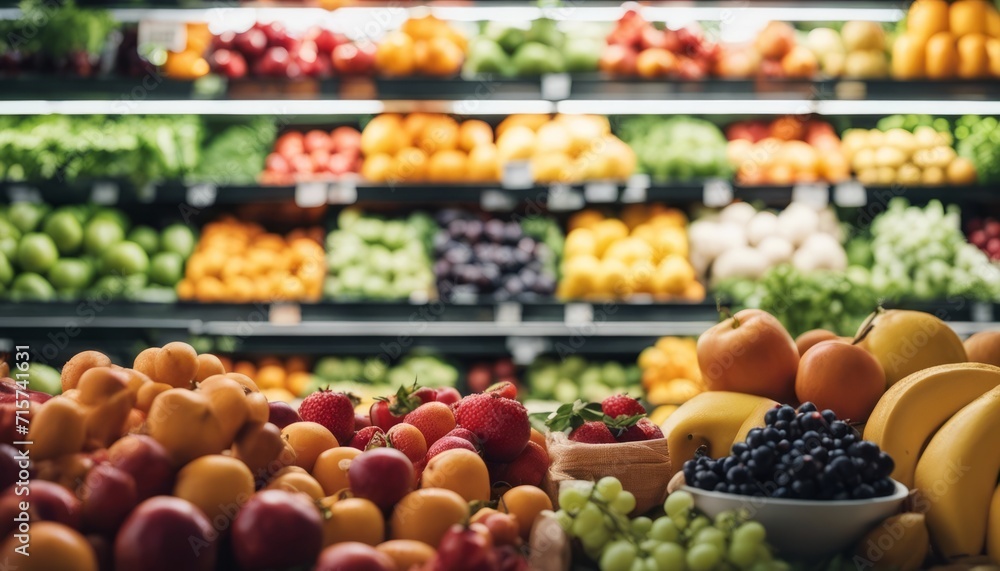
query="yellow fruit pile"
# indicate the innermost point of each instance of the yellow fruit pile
(278, 380)
(424, 46)
(566, 148)
(945, 41)
(428, 147)
(646, 252)
(239, 262)
(670, 373)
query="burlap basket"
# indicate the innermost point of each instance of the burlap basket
(642, 467)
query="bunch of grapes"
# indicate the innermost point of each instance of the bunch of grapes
(681, 540)
(803, 454)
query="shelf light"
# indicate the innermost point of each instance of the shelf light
(194, 107)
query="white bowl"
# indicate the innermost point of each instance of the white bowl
(806, 529)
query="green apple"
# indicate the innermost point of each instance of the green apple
(145, 237)
(166, 268)
(125, 258)
(178, 238)
(65, 230)
(100, 234)
(70, 274)
(30, 286)
(6, 270)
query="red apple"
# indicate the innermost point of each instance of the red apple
(690, 69)
(618, 60)
(281, 414)
(229, 63)
(340, 164)
(993, 246)
(225, 40)
(165, 533)
(354, 59)
(320, 159)
(108, 494)
(47, 501)
(277, 164)
(275, 32)
(290, 144)
(307, 56)
(382, 475)
(353, 556)
(345, 138)
(978, 238)
(317, 139)
(326, 40)
(147, 461)
(653, 38)
(277, 530)
(251, 43)
(302, 164)
(992, 228)
(425, 394)
(448, 395)
(275, 62)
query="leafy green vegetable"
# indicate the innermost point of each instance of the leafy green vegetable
(236, 155)
(61, 29)
(979, 141)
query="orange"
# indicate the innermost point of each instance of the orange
(185, 289)
(298, 382)
(447, 166)
(296, 364)
(407, 553)
(176, 364)
(409, 164)
(245, 368)
(439, 134)
(297, 482)
(309, 440)
(409, 440)
(483, 164)
(278, 394)
(352, 519)
(209, 289)
(442, 57)
(425, 515)
(270, 377)
(331, 467)
(208, 365)
(474, 133)
(218, 485)
(232, 268)
(525, 502)
(240, 289)
(53, 546)
(461, 471)
(292, 288)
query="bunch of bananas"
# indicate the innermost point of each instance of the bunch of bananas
(670, 373)
(942, 427)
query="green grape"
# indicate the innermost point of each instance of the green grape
(608, 488)
(648, 545)
(648, 564)
(697, 524)
(751, 531)
(680, 522)
(624, 503)
(669, 557)
(760, 566)
(726, 521)
(678, 503)
(764, 554)
(590, 517)
(703, 557)
(572, 499)
(743, 554)
(641, 526)
(711, 536)
(663, 530)
(565, 520)
(618, 556)
(595, 538)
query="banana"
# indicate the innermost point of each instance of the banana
(993, 529)
(957, 475)
(715, 419)
(913, 409)
(899, 543)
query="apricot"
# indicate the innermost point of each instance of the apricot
(248, 385)
(79, 364)
(208, 365)
(176, 364)
(53, 546)
(460, 471)
(57, 428)
(135, 421)
(309, 440)
(145, 362)
(98, 384)
(257, 408)
(297, 482)
(482, 514)
(352, 519)
(228, 402)
(218, 485)
(841, 377)
(525, 503)
(407, 553)
(809, 338)
(425, 515)
(184, 423)
(984, 347)
(136, 379)
(144, 397)
(331, 467)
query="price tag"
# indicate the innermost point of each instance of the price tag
(562, 197)
(310, 194)
(556, 86)
(598, 192)
(816, 195)
(717, 193)
(419, 297)
(578, 314)
(508, 313)
(851, 90)
(285, 314)
(21, 193)
(517, 175)
(104, 193)
(201, 195)
(524, 350)
(6, 345)
(170, 36)
(147, 193)
(982, 312)
(850, 194)
(497, 201)
(342, 192)
(635, 189)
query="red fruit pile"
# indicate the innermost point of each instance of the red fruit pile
(315, 154)
(984, 233)
(637, 47)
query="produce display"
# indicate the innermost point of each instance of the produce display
(574, 377)
(679, 148)
(241, 262)
(857, 50)
(944, 40)
(269, 50)
(278, 379)
(787, 150)
(646, 252)
(422, 46)
(73, 252)
(978, 140)
(638, 47)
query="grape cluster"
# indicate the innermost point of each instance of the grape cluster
(804, 454)
(681, 540)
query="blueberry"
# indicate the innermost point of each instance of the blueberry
(883, 487)
(863, 492)
(805, 489)
(721, 487)
(812, 421)
(781, 492)
(807, 407)
(781, 425)
(738, 474)
(784, 446)
(763, 456)
(739, 448)
(718, 469)
(783, 479)
(771, 434)
(839, 429)
(786, 413)
(799, 445)
(811, 437)
(829, 415)
(820, 454)
(885, 465)
(755, 438)
(843, 467)
(770, 417)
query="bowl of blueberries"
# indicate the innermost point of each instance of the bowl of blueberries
(809, 478)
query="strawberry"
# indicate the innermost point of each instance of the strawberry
(433, 419)
(505, 389)
(592, 432)
(529, 468)
(644, 429)
(333, 410)
(449, 443)
(369, 436)
(621, 405)
(649, 428)
(465, 434)
(387, 412)
(500, 423)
